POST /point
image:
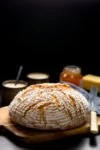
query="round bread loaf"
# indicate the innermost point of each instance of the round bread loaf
(49, 106)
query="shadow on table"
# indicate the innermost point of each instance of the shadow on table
(93, 140)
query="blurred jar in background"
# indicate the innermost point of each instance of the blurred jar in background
(37, 78)
(71, 74)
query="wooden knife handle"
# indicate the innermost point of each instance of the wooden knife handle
(93, 123)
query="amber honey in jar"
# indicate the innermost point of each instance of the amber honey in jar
(71, 74)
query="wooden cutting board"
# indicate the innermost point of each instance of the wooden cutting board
(31, 136)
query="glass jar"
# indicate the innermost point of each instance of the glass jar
(71, 74)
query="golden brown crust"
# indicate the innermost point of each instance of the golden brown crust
(49, 106)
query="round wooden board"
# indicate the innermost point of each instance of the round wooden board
(32, 136)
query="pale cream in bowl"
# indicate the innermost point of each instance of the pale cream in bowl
(13, 85)
(37, 77)
(10, 88)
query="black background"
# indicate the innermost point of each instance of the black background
(45, 36)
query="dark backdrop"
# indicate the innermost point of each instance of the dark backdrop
(70, 29)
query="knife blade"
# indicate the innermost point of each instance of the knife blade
(93, 114)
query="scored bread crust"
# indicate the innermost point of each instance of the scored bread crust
(49, 106)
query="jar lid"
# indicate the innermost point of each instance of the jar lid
(73, 68)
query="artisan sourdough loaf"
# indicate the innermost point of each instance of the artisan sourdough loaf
(49, 106)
